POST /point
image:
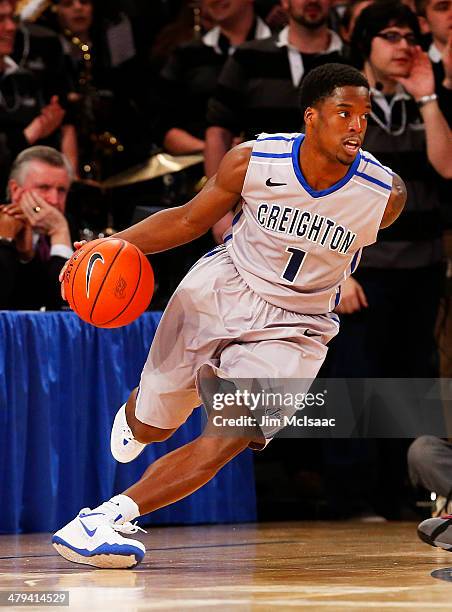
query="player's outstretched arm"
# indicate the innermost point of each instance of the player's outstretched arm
(175, 226)
(395, 203)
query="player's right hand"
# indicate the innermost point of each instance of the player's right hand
(353, 298)
(77, 245)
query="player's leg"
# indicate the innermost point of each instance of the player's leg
(190, 333)
(93, 537)
(167, 392)
(194, 330)
(186, 469)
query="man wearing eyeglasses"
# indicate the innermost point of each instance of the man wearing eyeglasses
(35, 239)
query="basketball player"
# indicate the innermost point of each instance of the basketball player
(260, 306)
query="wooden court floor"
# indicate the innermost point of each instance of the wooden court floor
(278, 566)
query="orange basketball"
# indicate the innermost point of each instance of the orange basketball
(108, 282)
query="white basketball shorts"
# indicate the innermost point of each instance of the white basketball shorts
(216, 325)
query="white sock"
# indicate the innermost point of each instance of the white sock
(120, 508)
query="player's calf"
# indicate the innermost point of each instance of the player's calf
(215, 452)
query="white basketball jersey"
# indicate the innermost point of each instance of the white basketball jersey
(295, 246)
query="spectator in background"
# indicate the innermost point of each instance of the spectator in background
(389, 307)
(190, 76)
(407, 131)
(429, 457)
(27, 115)
(35, 237)
(435, 17)
(258, 87)
(430, 467)
(351, 14)
(38, 51)
(112, 132)
(272, 13)
(151, 19)
(192, 21)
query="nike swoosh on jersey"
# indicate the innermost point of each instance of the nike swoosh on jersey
(270, 183)
(89, 269)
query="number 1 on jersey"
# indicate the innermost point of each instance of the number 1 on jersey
(294, 263)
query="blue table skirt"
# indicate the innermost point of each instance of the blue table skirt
(62, 382)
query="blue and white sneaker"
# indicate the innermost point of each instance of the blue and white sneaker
(123, 445)
(93, 539)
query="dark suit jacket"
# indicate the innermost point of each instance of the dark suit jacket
(29, 286)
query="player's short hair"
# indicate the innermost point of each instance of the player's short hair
(46, 155)
(375, 18)
(321, 82)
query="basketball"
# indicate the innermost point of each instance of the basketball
(108, 282)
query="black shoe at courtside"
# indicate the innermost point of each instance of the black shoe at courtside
(437, 532)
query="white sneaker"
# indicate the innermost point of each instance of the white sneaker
(123, 445)
(93, 539)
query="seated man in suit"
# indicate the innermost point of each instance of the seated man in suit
(35, 240)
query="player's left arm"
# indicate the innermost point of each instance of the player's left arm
(176, 226)
(395, 203)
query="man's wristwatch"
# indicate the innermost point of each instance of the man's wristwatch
(423, 100)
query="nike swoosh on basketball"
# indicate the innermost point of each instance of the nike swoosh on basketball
(89, 269)
(270, 183)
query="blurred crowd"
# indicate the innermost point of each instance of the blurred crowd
(111, 111)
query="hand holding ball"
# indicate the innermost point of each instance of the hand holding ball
(108, 282)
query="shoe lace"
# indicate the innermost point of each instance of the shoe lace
(128, 528)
